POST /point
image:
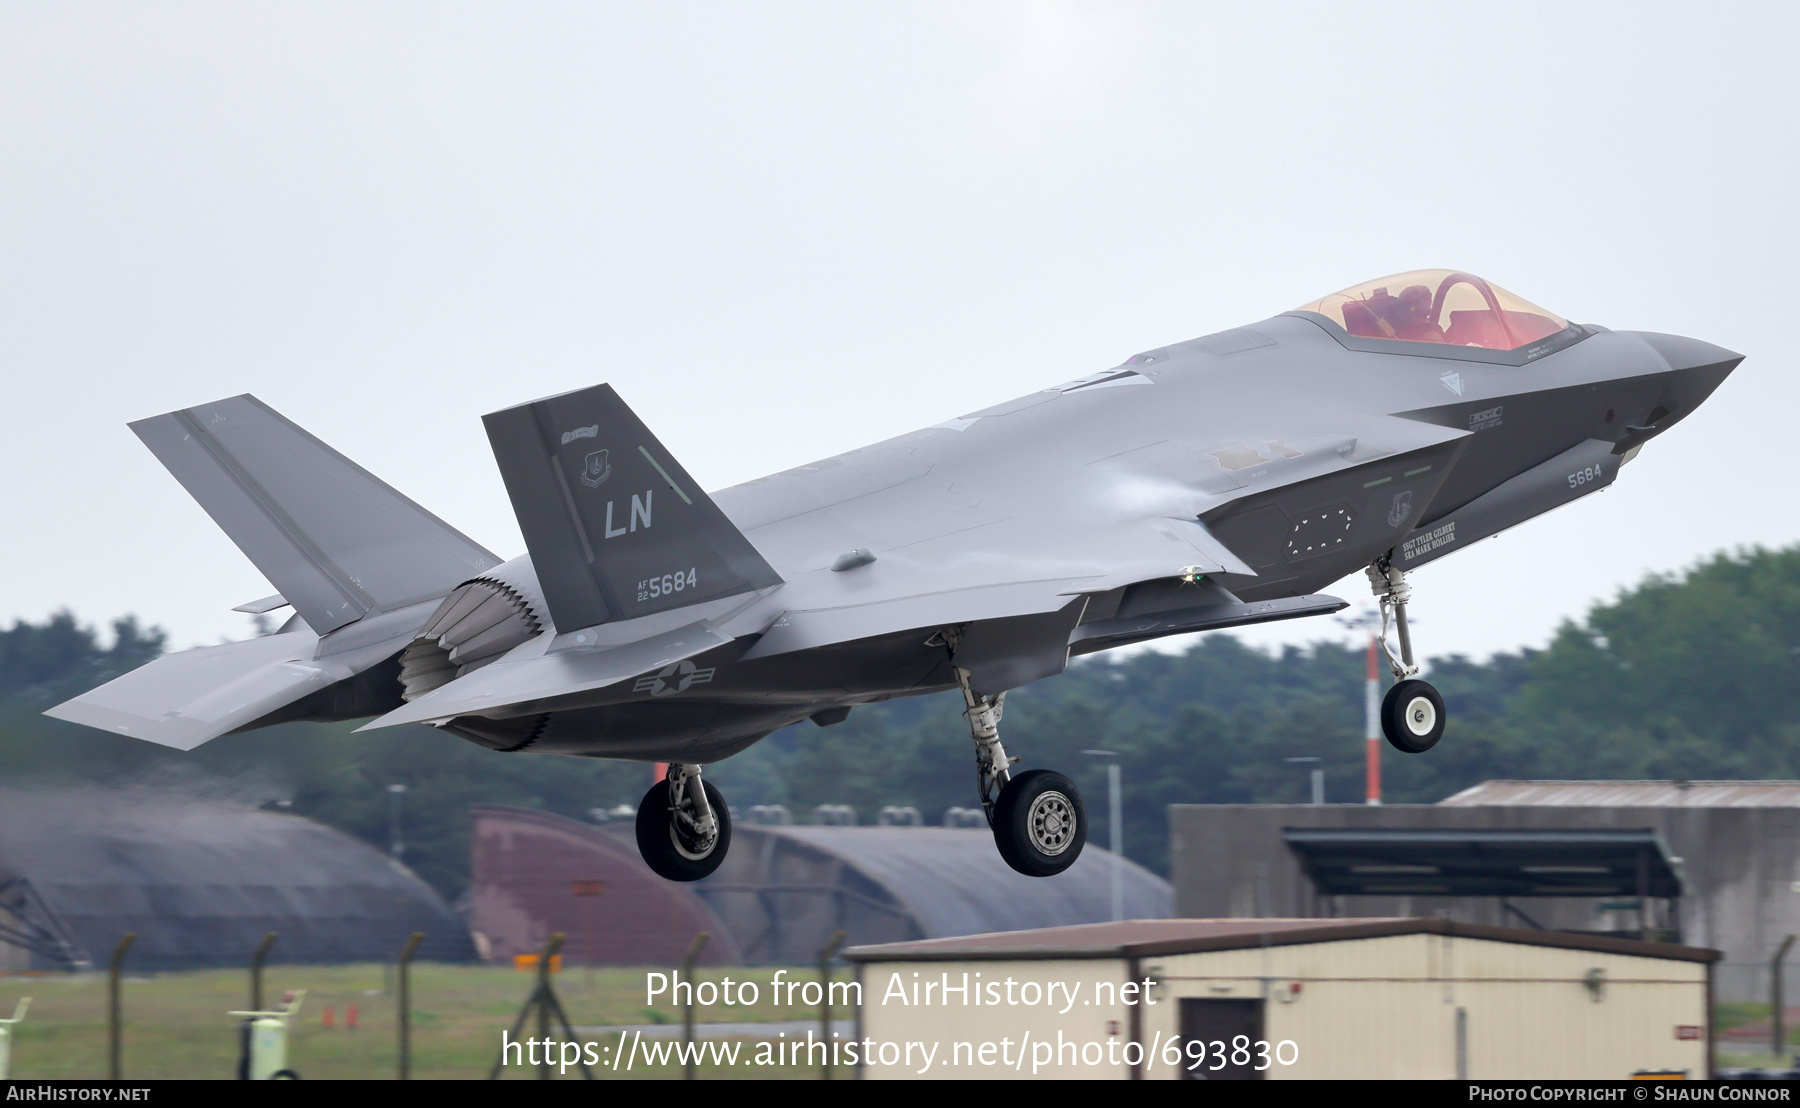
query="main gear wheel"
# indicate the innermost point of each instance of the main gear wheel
(1040, 823)
(681, 837)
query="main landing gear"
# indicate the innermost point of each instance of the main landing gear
(1412, 712)
(683, 826)
(1039, 822)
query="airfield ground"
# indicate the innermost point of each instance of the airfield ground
(175, 1024)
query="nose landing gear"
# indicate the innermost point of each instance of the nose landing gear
(683, 826)
(1039, 821)
(1412, 712)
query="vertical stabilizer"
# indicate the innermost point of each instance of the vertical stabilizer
(616, 527)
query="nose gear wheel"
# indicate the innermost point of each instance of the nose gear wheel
(1412, 717)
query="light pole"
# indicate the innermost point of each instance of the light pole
(396, 848)
(1370, 620)
(1318, 777)
(1118, 834)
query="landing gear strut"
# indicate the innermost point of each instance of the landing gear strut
(683, 826)
(1412, 712)
(1039, 822)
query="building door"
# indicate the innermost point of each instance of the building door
(1230, 1031)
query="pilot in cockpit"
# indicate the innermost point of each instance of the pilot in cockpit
(1463, 311)
(1406, 317)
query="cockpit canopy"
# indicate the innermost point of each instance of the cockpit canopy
(1438, 305)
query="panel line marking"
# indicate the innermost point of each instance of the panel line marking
(665, 476)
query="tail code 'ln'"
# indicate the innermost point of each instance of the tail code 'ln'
(616, 527)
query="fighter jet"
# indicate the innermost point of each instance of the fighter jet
(1212, 483)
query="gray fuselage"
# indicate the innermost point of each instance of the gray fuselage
(1305, 456)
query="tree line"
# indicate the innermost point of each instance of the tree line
(1690, 675)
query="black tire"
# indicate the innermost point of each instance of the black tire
(1033, 826)
(284, 1075)
(1412, 717)
(656, 836)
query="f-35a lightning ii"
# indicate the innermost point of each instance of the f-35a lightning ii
(1211, 483)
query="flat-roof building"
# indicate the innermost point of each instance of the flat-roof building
(1717, 863)
(1284, 998)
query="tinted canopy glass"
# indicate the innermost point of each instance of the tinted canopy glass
(1441, 306)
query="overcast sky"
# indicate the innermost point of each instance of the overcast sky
(785, 230)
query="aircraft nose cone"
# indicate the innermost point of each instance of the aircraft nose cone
(1683, 353)
(1696, 369)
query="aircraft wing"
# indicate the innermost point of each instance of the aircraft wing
(1003, 575)
(955, 544)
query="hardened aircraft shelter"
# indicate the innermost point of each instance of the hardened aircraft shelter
(200, 882)
(779, 897)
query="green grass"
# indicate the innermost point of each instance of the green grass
(175, 1024)
(1728, 1015)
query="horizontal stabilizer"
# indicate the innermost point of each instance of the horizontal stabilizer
(336, 540)
(616, 527)
(521, 680)
(262, 607)
(182, 700)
